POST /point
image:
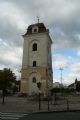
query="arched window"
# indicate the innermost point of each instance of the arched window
(34, 80)
(34, 63)
(34, 47)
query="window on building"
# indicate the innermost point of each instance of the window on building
(34, 63)
(34, 47)
(35, 30)
(34, 80)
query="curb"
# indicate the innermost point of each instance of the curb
(40, 112)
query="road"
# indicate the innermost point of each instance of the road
(17, 108)
(41, 116)
(53, 116)
(11, 116)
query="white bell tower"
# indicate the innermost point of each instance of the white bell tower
(37, 60)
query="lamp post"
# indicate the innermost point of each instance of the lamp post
(39, 86)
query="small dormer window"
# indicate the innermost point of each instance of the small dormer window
(35, 29)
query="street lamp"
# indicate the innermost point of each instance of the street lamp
(39, 86)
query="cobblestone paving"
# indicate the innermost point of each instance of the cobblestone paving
(23, 105)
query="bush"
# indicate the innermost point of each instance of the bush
(22, 94)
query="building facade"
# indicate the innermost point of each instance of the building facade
(37, 60)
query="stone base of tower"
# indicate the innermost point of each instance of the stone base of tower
(28, 85)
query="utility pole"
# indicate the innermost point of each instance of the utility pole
(38, 18)
(61, 69)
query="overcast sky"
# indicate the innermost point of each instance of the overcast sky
(61, 17)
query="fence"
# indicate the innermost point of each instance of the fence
(60, 102)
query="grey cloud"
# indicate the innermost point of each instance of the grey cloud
(10, 56)
(10, 35)
(12, 24)
(63, 14)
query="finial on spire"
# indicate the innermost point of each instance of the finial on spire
(38, 18)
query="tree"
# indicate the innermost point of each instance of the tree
(16, 87)
(7, 78)
(77, 85)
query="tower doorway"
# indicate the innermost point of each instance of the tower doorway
(34, 78)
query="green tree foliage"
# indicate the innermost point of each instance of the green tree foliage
(7, 78)
(77, 85)
(16, 87)
(63, 90)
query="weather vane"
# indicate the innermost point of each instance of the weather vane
(38, 18)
